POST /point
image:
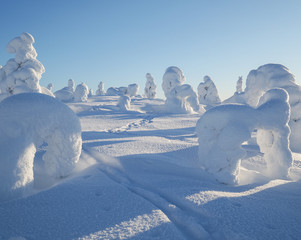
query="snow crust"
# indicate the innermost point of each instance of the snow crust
(223, 129)
(150, 87)
(22, 73)
(207, 92)
(27, 121)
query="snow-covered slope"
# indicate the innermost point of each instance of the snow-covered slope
(138, 178)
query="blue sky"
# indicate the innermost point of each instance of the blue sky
(118, 42)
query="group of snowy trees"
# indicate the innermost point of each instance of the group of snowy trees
(270, 106)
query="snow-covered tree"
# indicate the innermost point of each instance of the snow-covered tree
(180, 98)
(22, 73)
(49, 86)
(172, 77)
(101, 89)
(222, 130)
(124, 103)
(71, 85)
(27, 121)
(207, 92)
(81, 93)
(90, 93)
(150, 87)
(277, 76)
(133, 90)
(239, 85)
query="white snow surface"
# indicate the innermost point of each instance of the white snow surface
(138, 178)
(28, 121)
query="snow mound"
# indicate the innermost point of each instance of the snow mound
(22, 73)
(207, 92)
(81, 93)
(150, 87)
(222, 130)
(112, 91)
(27, 121)
(66, 94)
(101, 89)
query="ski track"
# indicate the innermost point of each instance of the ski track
(187, 218)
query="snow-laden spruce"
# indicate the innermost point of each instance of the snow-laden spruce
(222, 130)
(81, 93)
(101, 89)
(275, 75)
(207, 92)
(22, 73)
(132, 90)
(66, 94)
(180, 97)
(150, 87)
(27, 121)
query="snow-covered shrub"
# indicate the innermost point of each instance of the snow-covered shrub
(81, 93)
(180, 98)
(124, 103)
(22, 73)
(101, 89)
(172, 77)
(133, 89)
(222, 130)
(207, 92)
(112, 91)
(150, 87)
(27, 121)
(275, 75)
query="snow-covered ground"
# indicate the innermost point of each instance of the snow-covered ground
(138, 178)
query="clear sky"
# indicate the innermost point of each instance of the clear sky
(119, 41)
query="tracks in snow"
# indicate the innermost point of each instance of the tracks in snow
(143, 122)
(186, 217)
